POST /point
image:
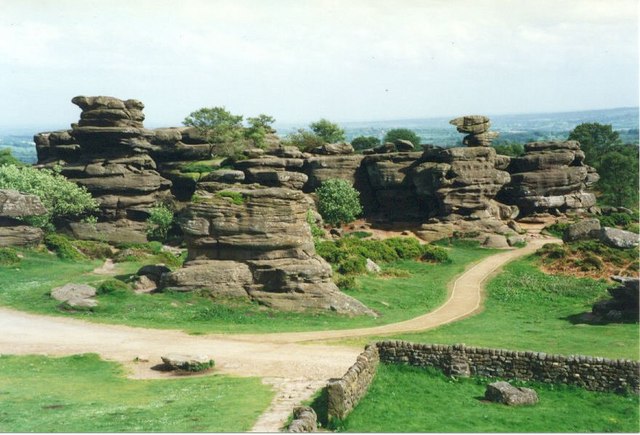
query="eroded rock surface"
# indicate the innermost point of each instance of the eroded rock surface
(13, 207)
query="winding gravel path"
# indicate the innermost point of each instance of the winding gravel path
(295, 369)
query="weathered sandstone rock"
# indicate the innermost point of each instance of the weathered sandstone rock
(503, 392)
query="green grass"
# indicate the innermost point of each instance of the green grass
(411, 399)
(82, 393)
(396, 299)
(529, 310)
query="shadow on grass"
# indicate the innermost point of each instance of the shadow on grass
(588, 318)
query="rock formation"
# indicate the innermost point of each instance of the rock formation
(550, 177)
(15, 206)
(476, 128)
(623, 305)
(254, 242)
(111, 159)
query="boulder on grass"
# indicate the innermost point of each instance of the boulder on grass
(582, 230)
(75, 295)
(504, 392)
(618, 238)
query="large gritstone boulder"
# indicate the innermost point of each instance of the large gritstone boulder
(550, 177)
(107, 151)
(503, 392)
(252, 241)
(13, 207)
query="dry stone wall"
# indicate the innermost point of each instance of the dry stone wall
(343, 394)
(591, 373)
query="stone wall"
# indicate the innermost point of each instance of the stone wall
(591, 373)
(344, 394)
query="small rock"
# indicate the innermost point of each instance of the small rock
(495, 241)
(404, 145)
(153, 271)
(75, 295)
(503, 392)
(304, 420)
(618, 238)
(372, 267)
(145, 285)
(585, 229)
(189, 363)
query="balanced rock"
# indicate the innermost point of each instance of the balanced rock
(477, 129)
(503, 392)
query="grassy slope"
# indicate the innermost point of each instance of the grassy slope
(82, 393)
(529, 310)
(396, 299)
(410, 399)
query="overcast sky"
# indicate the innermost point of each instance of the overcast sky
(300, 60)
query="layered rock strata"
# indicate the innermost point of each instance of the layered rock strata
(107, 151)
(550, 177)
(252, 241)
(14, 207)
(476, 128)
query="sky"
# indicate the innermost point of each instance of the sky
(301, 60)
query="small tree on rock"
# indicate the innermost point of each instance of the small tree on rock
(338, 202)
(328, 131)
(258, 129)
(402, 133)
(219, 127)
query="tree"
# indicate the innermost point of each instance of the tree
(364, 142)
(327, 131)
(6, 158)
(258, 129)
(219, 127)
(303, 139)
(61, 197)
(618, 171)
(512, 149)
(402, 133)
(338, 202)
(594, 140)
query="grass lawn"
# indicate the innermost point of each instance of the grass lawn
(398, 298)
(529, 310)
(82, 393)
(412, 399)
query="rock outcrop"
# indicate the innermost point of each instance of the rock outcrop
(550, 177)
(504, 392)
(476, 128)
(107, 151)
(15, 206)
(254, 242)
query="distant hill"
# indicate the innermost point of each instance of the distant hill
(513, 128)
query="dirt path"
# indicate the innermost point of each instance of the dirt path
(295, 370)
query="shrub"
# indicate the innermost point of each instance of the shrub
(63, 247)
(9, 257)
(304, 140)
(112, 287)
(159, 222)
(316, 231)
(435, 254)
(236, 197)
(6, 158)
(345, 282)
(405, 247)
(93, 249)
(61, 197)
(617, 219)
(338, 202)
(557, 229)
(330, 251)
(352, 264)
(365, 142)
(402, 133)
(360, 234)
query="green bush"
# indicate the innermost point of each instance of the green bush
(360, 234)
(617, 220)
(345, 282)
(63, 247)
(557, 229)
(328, 131)
(9, 257)
(402, 133)
(61, 197)
(6, 158)
(316, 231)
(93, 249)
(435, 254)
(338, 202)
(159, 222)
(405, 247)
(304, 140)
(112, 287)
(352, 264)
(365, 142)
(236, 197)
